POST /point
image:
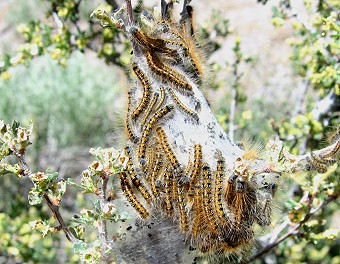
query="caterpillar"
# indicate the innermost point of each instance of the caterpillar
(168, 206)
(207, 199)
(182, 106)
(167, 74)
(215, 210)
(146, 92)
(198, 222)
(154, 174)
(197, 167)
(130, 133)
(126, 187)
(167, 150)
(147, 130)
(151, 43)
(219, 174)
(180, 199)
(333, 152)
(162, 98)
(150, 108)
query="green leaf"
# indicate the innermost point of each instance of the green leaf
(79, 247)
(34, 197)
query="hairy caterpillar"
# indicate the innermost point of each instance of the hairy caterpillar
(219, 174)
(184, 225)
(168, 151)
(182, 106)
(146, 92)
(149, 126)
(207, 199)
(161, 100)
(197, 167)
(130, 133)
(168, 190)
(168, 74)
(150, 108)
(126, 187)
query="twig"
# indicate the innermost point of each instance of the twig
(234, 94)
(57, 215)
(278, 230)
(130, 12)
(232, 113)
(301, 97)
(102, 226)
(58, 22)
(294, 230)
(54, 208)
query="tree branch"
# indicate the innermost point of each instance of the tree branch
(295, 229)
(54, 208)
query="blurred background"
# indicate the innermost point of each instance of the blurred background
(276, 60)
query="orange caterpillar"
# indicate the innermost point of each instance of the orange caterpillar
(207, 199)
(168, 151)
(146, 92)
(126, 187)
(197, 168)
(167, 74)
(147, 130)
(168, 191)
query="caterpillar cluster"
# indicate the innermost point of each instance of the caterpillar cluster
(214, 207)
(180, 162)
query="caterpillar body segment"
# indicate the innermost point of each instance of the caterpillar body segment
(185, 109)
(148, 129)
(334, 151)
(180, 199)
(140, 186)
(156, 170)
(130, 133)
(244, 202)
(134, 178)
(151, 43)
(167, 149)
(126, 187)
(195, 175)
(314, 164)
(162, 98)
(187, 55)
(167, 74)
(208, 199)
(231, 190)
(150, 107)
(168, 190)
(218, 194)
(146, 92)
(198, 222)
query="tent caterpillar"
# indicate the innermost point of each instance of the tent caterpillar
(131, 197)
(146, 92)
(167, 150)
(147, 130)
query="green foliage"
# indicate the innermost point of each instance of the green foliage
(314, 58)
(61, 34)
(14, 140)
(74, 117)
